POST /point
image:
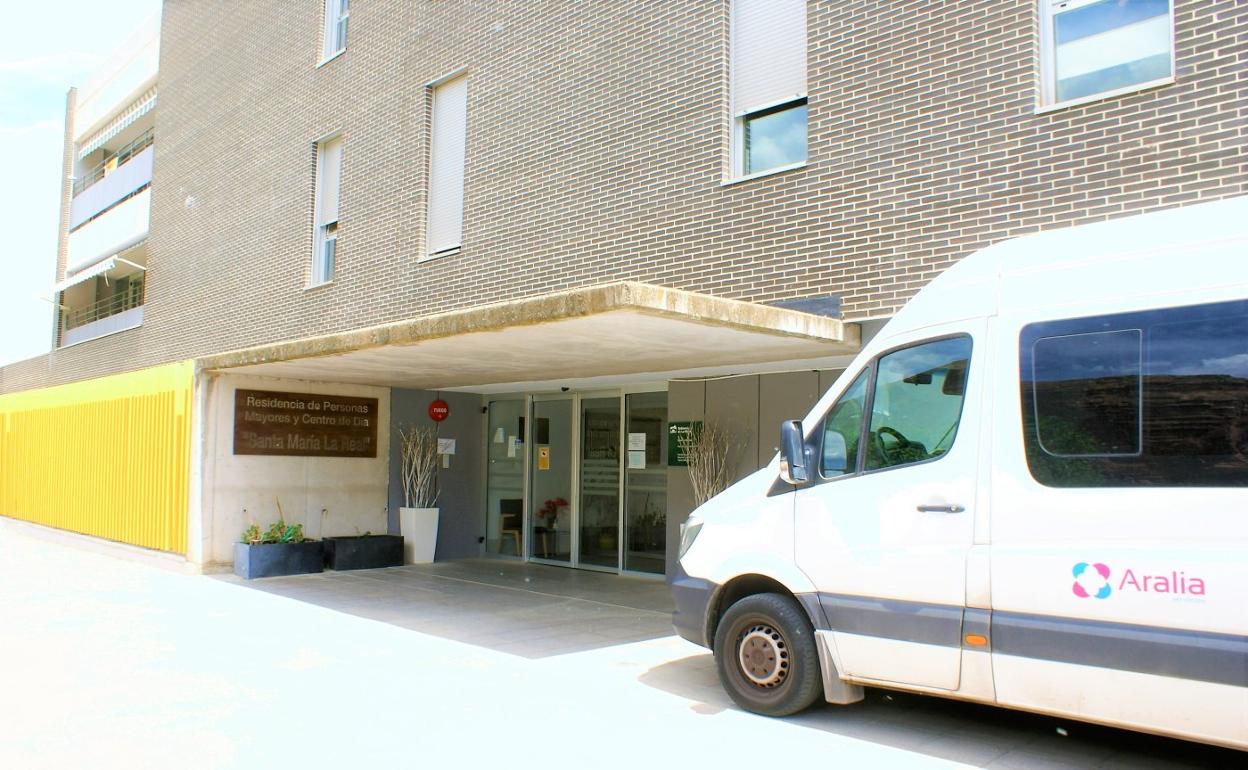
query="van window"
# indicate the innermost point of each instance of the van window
(1087, 391)
(917, 402)
(1155, 398)
(845, 420)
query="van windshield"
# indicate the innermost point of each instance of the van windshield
(918, 402)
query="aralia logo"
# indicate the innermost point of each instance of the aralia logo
(1091, 580)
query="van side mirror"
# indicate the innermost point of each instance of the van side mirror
(835, 452)
(793, 467)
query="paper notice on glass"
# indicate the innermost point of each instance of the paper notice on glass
(543, 458)
(499, 437)
(637, 460)
(446, 446)
(636, 441)
(513, 446)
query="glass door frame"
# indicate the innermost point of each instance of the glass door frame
(579, 428)
(575, 398)
(574, 494)
(624, 394)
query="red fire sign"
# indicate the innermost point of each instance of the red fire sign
(439, 410)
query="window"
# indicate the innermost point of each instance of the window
(1087, 391)
(446, 165)
(917, 403)
(325, 235)
(336, 13)
(1094, 48)
(768, 85)
(842, 429)
(1157, 398)
(775, 137)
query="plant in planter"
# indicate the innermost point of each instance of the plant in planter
(711, 453)
(366, 551)
(280, 550)
(646, 532)
(548, 533)
(550, 511)
(418, 468)
(607, 525)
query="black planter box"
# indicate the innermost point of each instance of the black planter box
(273, 559)
(363, 552)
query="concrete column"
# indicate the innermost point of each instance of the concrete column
(67, 195)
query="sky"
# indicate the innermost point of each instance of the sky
(61, 42)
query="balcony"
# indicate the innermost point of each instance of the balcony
(121, 80)
(106, 316)
(120, 175)
(115, 229)
(104, 299)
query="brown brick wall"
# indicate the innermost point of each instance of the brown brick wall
(598, 141)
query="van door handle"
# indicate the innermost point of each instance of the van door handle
(951, 508)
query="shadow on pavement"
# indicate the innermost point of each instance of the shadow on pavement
(974, 734)
(532, 611)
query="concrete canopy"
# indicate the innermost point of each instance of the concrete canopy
(613, 329)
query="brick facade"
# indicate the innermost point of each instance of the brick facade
(598, 144)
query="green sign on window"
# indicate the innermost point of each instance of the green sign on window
(679, 434)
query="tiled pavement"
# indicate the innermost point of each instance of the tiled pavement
(537, 611)
(530, 610)
(110, 664)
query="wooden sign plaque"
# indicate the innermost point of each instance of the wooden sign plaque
(269, 422)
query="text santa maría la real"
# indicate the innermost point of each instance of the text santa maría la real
(304, 424)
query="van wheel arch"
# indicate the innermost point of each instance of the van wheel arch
(734, 591)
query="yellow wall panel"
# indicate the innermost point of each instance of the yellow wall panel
(108, 457)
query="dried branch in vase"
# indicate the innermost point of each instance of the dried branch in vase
(711, 456)
(419, 466)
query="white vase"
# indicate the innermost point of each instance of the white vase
(419, 527)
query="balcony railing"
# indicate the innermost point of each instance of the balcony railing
(117, 227)
(116, 159)
(129, 299)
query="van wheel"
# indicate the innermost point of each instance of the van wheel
(765, 653)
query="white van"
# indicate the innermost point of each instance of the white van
(1029, 489)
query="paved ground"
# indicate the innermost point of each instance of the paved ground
(107, 663)
(528, 610)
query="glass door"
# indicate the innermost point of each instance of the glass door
(599, 501)
(504, 484)
(551, 463)
(645, 483)
(597, 480)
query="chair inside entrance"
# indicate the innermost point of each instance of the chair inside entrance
(510, 518)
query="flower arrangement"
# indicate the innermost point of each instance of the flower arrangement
(550, 510)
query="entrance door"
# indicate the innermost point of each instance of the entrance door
(598, 504)
(597, 494)
(504, 485)
(885, 529)
(551, 463)
(645, 483)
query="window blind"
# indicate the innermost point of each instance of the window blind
(768, 52)
(446, 164)
(329, 172)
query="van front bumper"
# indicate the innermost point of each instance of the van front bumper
(692, 597)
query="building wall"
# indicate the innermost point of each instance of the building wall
(461, 501)
(327, 495)
(751, 409)
(110, 457)
(598, 142)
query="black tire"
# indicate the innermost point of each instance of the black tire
(778, 674)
